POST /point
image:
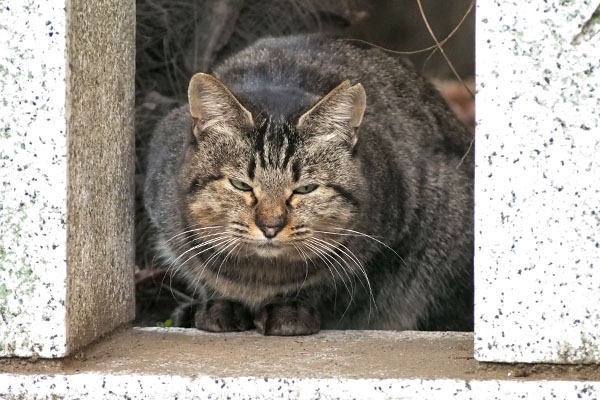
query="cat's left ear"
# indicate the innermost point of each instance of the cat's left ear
(213, 106)
(337, 115)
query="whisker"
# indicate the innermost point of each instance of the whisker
(194, 238)
(173, 268)
(198, 247)
(360, 234)
(337, 233)
(305, 266)
(194, 230)
(350, 254)
(213, 242)
(235, 244)
(372, 238)
(188, 240)
(333, 250)
(324, 256)
(329, 249)
(300, 233)
(330, 254)
(328, 268)
(206, 263)
(215, 255)
(237, 253)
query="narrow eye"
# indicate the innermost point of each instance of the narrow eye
(305, 189)
(239, 185)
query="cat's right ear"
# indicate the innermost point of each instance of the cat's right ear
(338, 115)
(214, 107)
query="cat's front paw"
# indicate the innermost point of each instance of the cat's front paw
(288, 319)
(221, 315)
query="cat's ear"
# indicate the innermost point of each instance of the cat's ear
(337, 115)
(213, 106)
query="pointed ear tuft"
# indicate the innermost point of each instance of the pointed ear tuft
(337, 115)
(214, 106)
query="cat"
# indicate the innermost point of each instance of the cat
(315, 183)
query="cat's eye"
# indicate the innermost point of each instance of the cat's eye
(305, 189)
(240, 185)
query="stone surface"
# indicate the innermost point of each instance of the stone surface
(164, 363)
(100, 104)
(537, 203)
(66, 168)
(33, 177)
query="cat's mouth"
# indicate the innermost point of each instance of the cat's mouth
(270, 249)
(269, 244)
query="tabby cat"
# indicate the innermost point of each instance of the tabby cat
(313, 183)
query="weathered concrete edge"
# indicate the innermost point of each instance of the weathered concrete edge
(100, 153)
(108, 386)
(151, 363)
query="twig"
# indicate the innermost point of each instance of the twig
(435, 47)
(439, 45)
(441, 49)
(432, 47)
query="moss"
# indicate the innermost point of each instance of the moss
(4, 292)
(20, 279)
(168, 323)
(586, 352)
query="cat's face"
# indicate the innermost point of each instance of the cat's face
(270, 187)
(273, 205)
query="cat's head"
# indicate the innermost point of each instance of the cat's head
(267, 185)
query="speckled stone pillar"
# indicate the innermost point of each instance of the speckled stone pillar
(66, 173)
(537, 202)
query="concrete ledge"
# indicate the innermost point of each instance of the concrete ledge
(145, 363)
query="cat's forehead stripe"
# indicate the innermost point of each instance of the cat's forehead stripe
(251, 166)
(259, 141)
(291, 143)
(296, 170)
(275, 142)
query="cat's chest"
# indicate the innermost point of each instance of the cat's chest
(254, 284)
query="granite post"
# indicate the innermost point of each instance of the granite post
(66, 173)
(537, 190)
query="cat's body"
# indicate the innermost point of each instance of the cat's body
(283, 187)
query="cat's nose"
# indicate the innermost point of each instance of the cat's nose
(270, 227)
(271, 232)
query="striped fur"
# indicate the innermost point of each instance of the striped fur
(314, 181)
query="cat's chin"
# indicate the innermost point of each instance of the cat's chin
(271, 250)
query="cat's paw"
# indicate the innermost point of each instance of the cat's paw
(183, 315)
(222, 316)
(288, 319)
